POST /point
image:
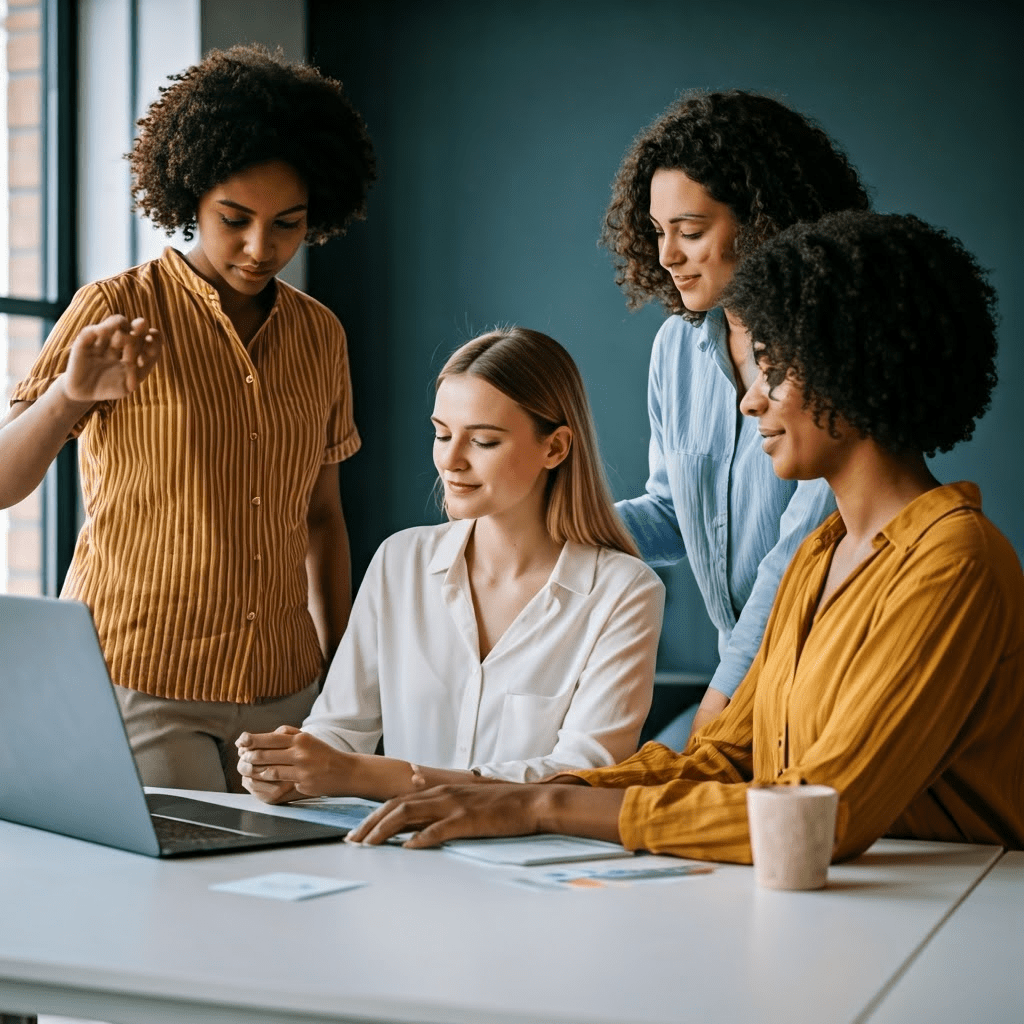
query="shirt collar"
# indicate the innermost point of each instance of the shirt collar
(451, 544)
(915, 520)
(575, 569)
(181, 270)
(712, 333)
(924, 512)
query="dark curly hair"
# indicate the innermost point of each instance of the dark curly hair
(885, 321)
(770, 165)
(246, 106)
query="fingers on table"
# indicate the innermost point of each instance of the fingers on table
(433, 813)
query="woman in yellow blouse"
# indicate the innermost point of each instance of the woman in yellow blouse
(892, 666)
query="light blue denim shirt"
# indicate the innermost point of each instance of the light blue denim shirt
(712, 495)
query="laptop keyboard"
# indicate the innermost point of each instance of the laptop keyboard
(174, 834)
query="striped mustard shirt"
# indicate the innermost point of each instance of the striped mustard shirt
(196, 487)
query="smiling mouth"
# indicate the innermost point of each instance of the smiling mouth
(685, 282)
(255, 271)
(456, 488)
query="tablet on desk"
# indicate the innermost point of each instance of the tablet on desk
(516, 851)
(527, 851)
(341, 812)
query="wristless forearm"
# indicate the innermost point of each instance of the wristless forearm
(381, 778)
(579, 811)
(30, 441)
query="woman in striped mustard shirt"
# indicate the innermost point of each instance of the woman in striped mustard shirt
(517, 640)
(892, 666)
(212, 404)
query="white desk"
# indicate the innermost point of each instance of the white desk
(97, 933)
(973, 969)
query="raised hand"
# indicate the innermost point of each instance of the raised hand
(109, 360)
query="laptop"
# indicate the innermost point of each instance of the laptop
(65, 762)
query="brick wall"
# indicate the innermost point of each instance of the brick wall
(20, 337)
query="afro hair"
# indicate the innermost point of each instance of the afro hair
(885, 321)
(770, 165)
(245, 106)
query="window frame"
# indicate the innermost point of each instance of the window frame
(59, 264)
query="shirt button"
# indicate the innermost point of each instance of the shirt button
(778, 773)
(248, 379)
(256, 557)
(256, 500)
(252, 437)
(251, 616)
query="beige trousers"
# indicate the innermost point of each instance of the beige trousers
(190, 744)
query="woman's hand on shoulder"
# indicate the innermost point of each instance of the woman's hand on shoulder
(110, 359)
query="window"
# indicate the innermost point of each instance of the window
(36, 260)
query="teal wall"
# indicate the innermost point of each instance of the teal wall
(499, 127)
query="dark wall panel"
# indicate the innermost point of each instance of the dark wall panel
(499, 127)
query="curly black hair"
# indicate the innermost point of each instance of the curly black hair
(770, 165)
(245, 106)
(885, 321)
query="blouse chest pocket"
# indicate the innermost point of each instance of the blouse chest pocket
(699, 413)
(529, 725)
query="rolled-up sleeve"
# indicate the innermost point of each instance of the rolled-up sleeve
(342, 437)
(347, 714)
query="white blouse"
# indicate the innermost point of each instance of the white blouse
(568, 685)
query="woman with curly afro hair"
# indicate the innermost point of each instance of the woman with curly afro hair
(213, 405)
(711, 179)
(892, 666)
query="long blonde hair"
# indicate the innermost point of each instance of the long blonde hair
(541, 377)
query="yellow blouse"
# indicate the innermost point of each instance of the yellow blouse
(906, 694)
(196, 487)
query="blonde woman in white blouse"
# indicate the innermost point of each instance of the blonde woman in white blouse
(514, 641)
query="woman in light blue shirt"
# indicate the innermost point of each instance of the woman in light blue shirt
(705, 184)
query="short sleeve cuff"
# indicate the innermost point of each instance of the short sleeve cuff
(343, 450)
(33, 388)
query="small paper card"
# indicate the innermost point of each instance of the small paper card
(284, 885)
